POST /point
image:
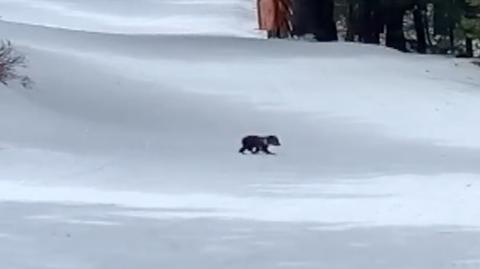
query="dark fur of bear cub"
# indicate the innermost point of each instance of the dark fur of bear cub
(255, 144)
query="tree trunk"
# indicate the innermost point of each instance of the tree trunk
(451, 26)
(315, 17)
(469, 45)
(420, 29)
(371, 22)
(451, 37)
(395, 34)
(350, 23)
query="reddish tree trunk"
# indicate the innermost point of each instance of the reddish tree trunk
(274, 17)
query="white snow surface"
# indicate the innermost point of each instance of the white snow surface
(207, 17)
(129, 140)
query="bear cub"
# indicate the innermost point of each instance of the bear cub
(254, 144)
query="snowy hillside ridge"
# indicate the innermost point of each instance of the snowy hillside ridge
(447, 84)
(222, 46)
(224, 17)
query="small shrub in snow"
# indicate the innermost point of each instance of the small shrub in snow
(10, 61)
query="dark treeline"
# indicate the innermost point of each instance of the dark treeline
(423, 26)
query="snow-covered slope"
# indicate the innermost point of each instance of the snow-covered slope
(212, 17)
(124, 155)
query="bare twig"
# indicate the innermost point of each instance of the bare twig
(10, 61)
